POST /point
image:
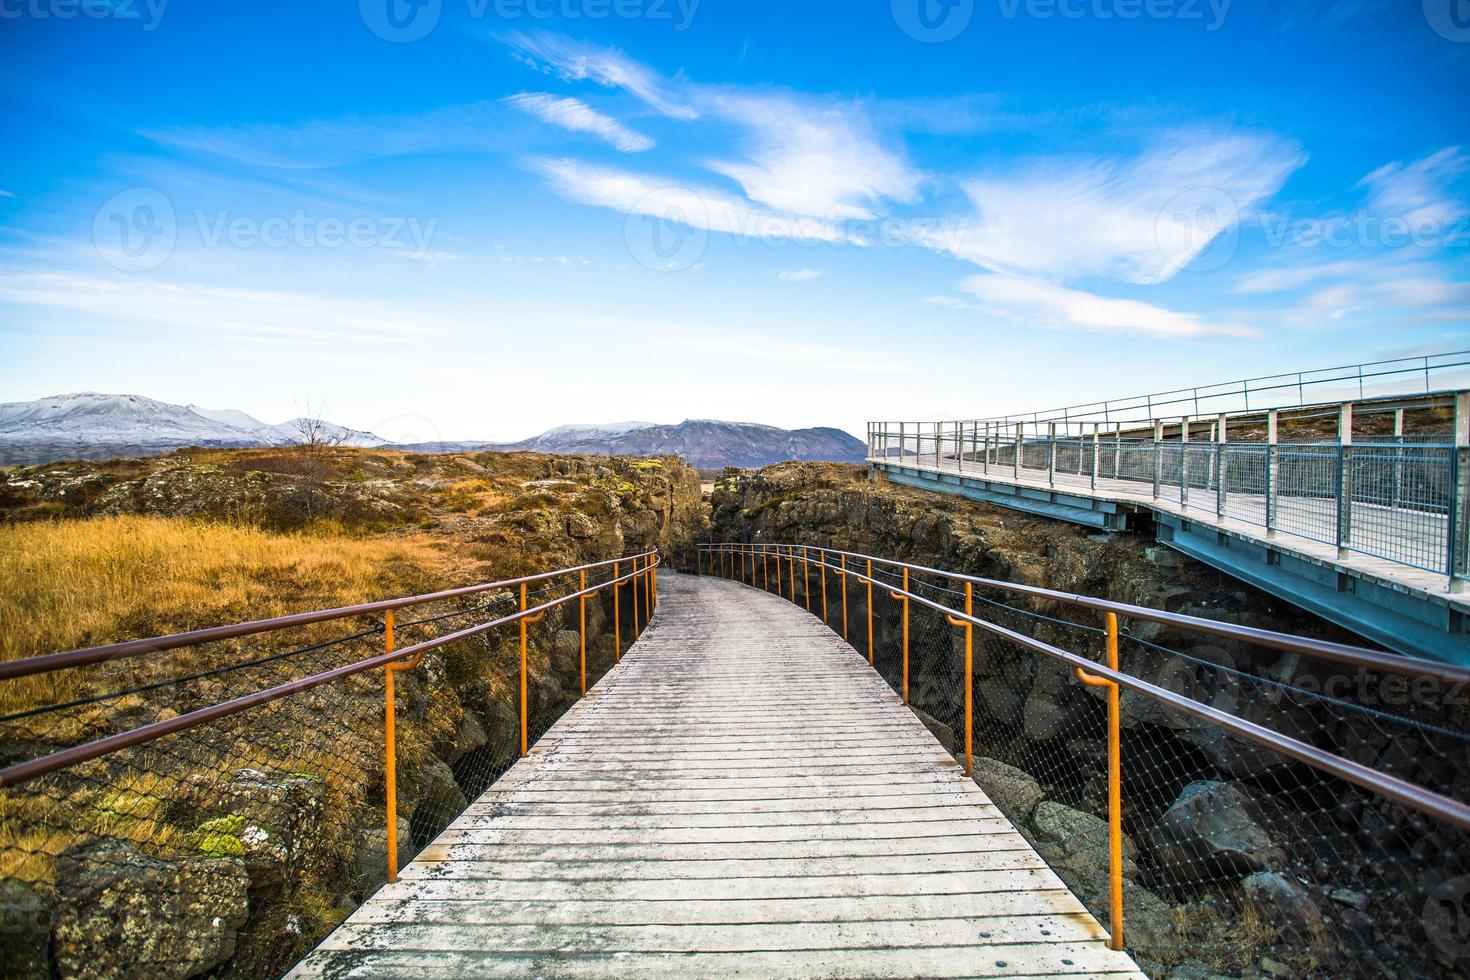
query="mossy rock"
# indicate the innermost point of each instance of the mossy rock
(220, 837)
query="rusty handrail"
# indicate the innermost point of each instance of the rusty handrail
(85, 656)
(21, 772)
(1109, 676)
(1416, 797)
(1378, 660)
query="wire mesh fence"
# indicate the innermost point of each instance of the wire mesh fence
(1236, 855)
(246, 838)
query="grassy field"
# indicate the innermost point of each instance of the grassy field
(67, 584)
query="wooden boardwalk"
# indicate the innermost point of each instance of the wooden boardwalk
(741, 796)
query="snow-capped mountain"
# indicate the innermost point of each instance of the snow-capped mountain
(90, 425)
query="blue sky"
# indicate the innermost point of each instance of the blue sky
(482, 218)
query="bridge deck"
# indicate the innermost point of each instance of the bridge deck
(742, 795)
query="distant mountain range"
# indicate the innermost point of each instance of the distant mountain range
(88, 425)
(705, 444)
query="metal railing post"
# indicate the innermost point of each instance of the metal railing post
(902, 442)
(822, 571)
(1115, 780)
(617, 613)
(1272, 476)
(791, 570)
(1020, 443)
(903, 598)
(525, 622)
(1051, 454)
(842, 577)
(1397, 476)
(633, 582)
(582, 626)
(1096, 452)
(870, 612)
(969, 629)
(1222, 463)
(1158, 457)
(1344, 492)
(1458, 540)
(1184, 461)
(390, 741)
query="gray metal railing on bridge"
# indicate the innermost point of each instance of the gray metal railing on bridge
(1383, 491)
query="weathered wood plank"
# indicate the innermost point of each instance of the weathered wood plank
(741, 796)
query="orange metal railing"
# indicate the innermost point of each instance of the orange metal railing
(393, 660)
(719, 558)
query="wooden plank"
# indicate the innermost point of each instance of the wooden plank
(741, 796)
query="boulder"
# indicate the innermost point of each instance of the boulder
(370, 854)
(1010, 789)
(1208, 833)
(1076, 846)
(124, 914)
(25, 931)
(274, 822)
(1285, 905)
(938, 729)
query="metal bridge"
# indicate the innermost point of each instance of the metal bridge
(747, 792)
(1356, 509)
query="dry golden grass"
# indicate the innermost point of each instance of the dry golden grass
(85, 582)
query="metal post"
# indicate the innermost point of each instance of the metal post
(902, 442)
(1272, 475)
(582, 625)
(985, 460)
(842, 577)
(1344, 479)
(1158, 457)
(1398, 456)
(1222, 463)
(903, 598)
(1051, 454)
(959, 446)
(791, 571)
(634, 583)
(1118, 453)
(617, 614)
(1459, 517)
(1096, 454)
(1020, 441)
(1115, 781)
(969, 675)
(870, 612)
(1184, 462)
(648, 586)
(390, 742)
(822, 571)
(525, 622)
(765, 569)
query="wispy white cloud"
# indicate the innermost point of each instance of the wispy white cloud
(811, 157)
(1415, 292)
(579, 117)
(694, 207)
(337, 142)
(202, 310)
(578, 61)
(798, 275)
(1139, 219)
(1419, 192)
(1031, 302)
(1276, 280)
(4, 193)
